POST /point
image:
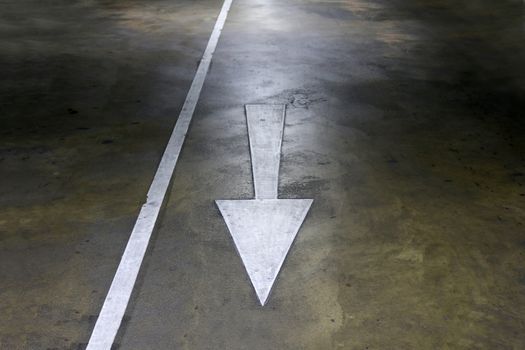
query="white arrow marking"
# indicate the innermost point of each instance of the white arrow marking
(264, 228)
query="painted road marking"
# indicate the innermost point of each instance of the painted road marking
(265, 130)
(110, 318)
(264, 228)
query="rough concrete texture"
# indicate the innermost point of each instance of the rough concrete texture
(405, 124)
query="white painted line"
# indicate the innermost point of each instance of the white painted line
(110, 318)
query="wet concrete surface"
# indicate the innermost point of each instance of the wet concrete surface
(405, 124)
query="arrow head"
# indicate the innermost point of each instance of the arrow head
(263, 231)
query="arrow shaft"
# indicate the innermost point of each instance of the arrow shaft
(265, 131)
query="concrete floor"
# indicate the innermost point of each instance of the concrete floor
(405, 124)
